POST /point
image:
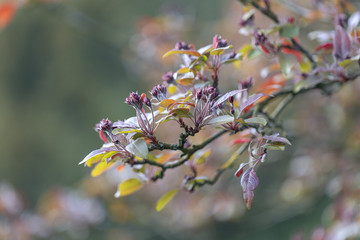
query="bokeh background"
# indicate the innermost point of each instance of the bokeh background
(65, 65)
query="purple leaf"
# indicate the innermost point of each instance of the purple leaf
(224, 97)
(249, 182)
(251, 100)
(275, 138)
(342, 44)
(97, 152)
(122, 124)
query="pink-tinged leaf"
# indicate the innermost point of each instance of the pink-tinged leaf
(240, 169)
(224, 97)
(249, 182)
(188, 52)
(251, 100)
(342, 43)
(275, 138)
(97, 155)
(240, 140)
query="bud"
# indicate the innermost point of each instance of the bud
(103, 125)
(134, 100)
(183, 46)
(159, 92)
(218, 42)
(147, 102)
(168, 77)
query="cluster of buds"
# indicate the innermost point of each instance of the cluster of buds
(134, 100)
(104, 128)
(183, 46)
(137, 101)
(218, 42)
(207, 93)
(159, 92)
(262, 41)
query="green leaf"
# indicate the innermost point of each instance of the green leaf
(289, 31)
(220, 51)
(203, 156)
(188, 52)
(253, 53)
(275, 146)
(138, 148)
(286, 62)
(256, 120)
(128, 187)
(180, 112)
(221, 120)
(165, 199)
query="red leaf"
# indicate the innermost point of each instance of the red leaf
(325, 46)
(7, 11)
(240, 140)
(265, 50)
(240, 169)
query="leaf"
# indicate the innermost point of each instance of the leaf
(203, 156)
(166, 103)
(251, 100)
(256, 120)
(244, 51)
(165, 199)
(205, 49)
(183, 70)
(100, 168)
(275, 146)
(240, 169)
(289, 31)
(180, 112)
(341, 43)
(249, 182)
(96, 156)
(220, 51)
(188, 52)
(138, 148)
(275, 138)
(221, 120)
(186, 79)
(117, 131)
(7, 12)
(253, 53)
(287, 62)
(224, 97)
(128, 187)
(172, 88)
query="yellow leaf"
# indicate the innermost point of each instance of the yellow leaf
(188, 52)
(100, 168)
(94, 159)
(172, 89)
(128, 187)
(165, 199)
(167, 103)
(183, 70)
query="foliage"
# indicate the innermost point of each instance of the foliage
(190, 97)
